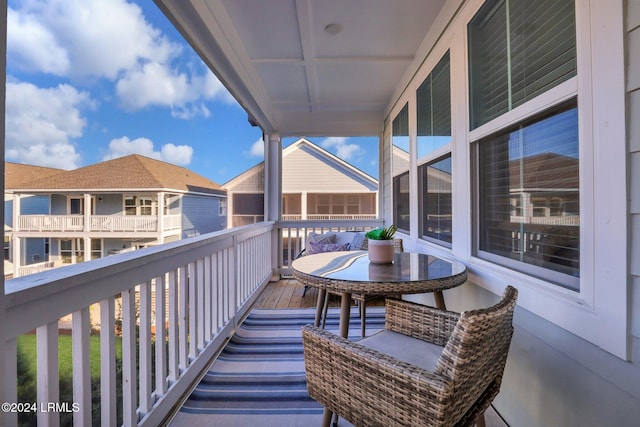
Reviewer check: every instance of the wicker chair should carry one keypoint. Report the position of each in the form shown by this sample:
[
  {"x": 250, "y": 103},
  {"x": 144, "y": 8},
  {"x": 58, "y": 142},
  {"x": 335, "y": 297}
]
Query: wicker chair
[
  {"x": 362, "y": 299},
  {"x": 428, "y": 367}
]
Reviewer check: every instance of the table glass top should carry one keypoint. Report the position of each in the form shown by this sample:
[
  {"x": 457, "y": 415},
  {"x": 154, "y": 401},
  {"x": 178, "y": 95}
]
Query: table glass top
[{"x": 355, "y": 266}]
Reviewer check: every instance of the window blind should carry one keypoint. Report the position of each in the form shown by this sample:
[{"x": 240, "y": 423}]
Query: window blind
[
  {"x": 518, "y": 49},
  {"x": 433, "y": 99}
]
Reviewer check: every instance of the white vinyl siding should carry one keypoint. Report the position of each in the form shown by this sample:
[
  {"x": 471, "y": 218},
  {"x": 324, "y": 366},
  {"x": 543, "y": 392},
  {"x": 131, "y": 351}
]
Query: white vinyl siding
[
  {"x": 306, "y": 170},
  {"x": 633, "y": 93},
  {"x": 200, "y": 215}
]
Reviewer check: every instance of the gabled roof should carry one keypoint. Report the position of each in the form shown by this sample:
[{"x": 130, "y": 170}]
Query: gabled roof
[
  {"x": 314, "y": 151},
  {"x": 17, "y": 173},
  {"x": 133, "y": 172}
]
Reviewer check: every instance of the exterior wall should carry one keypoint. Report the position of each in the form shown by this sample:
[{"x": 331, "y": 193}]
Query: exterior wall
[
  {"x": 200, "y": 215},
  {"x": 633, "y": 90},
  {"x": 111, "y": 204},
  {"x": 58, "y": 204},
  {"x": 554, "y": 377},
  {"x": 307, "y": 170},
  {"x": 33, "y": 250}
]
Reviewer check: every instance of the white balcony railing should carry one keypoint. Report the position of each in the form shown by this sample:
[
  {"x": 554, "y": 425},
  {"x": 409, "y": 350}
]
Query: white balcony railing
[
  {"x": 97, "y": 223},
  {"x": 170, "y": 308},
  {"x": 200, "y": 288},
  {"x": 326, "y": 217},
  {"x": 293, "y": 235}
]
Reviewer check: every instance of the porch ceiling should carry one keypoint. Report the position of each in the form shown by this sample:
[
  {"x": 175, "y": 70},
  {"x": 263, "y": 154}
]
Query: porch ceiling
[{"x": 290, "y": 72}]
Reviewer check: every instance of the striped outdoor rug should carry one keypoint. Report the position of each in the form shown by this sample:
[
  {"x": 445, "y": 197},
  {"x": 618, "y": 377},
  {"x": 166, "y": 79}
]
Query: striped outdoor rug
[{"x": 258, "y": 379}]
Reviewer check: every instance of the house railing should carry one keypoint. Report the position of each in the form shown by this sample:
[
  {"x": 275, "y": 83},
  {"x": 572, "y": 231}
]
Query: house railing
[
  {"x": 37, "y": 268},
  {"x": 326, "y": 217},
  {"x": 200, "y": 287},
  {"x": 97, "y": 223},
  {"x": 569, "y": 220},
  {"x": 293, "y": 235}
]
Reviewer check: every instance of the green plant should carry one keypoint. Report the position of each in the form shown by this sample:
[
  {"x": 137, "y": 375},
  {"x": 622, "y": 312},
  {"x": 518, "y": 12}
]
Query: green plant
[{"x": 382, "y": 233}]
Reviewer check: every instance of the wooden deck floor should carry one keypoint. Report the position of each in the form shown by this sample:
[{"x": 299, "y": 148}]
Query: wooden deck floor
[{"x": 287, "y": 293}]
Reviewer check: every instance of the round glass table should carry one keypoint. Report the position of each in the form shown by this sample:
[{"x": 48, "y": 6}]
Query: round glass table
[{"x": 351, "y": 272}]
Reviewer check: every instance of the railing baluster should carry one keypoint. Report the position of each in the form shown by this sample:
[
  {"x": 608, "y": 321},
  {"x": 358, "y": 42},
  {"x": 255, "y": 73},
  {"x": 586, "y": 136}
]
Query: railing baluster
[
  {"x": 207, "y": 299},
  {"x": 172, "y": 338},
  {"x": 200, "y": 303},
  {"x": 183, "y": 289},
  {"x": 161, "y": 332},
  {"x": 10, "y": 381},
  {"x": 129, "y": 379},
  {"x": 108, "y": 414},
  {"x": 145, "y": 348},
  {"x": 80, "y": 330},
  {"x": 193, "y": 313},
  {"x": 48, "y": 375}
]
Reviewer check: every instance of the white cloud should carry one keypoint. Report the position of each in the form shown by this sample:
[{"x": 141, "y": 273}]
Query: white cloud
[
  {"x": 156, "y": 84},
  {"x": 257, "y": 148},
  {"x": 41, "y": 124},
  {"x": 343, "y": 150},
  {"x": 99, "y": 37},
  {"x": 176, "y": 154},
  {"x": 110, "y": 39},
  {"x": 32, "y": 46}
]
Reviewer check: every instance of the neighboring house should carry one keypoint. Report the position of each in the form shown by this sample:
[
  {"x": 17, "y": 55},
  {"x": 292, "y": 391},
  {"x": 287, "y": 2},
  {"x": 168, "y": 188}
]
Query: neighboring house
[
  {"x": 110, "y": 207},
  {"x": 316, "y": 185},
  {"x": 35, "y": 250}
]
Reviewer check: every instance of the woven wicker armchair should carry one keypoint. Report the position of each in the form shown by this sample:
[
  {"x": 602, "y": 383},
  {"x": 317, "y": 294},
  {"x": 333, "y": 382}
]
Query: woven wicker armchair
[{"x": 428, "y": 367}]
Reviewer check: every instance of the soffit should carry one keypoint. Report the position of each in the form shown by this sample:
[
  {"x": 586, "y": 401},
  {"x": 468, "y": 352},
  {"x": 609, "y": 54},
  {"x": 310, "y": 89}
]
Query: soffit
[{"x": 294, "y": 77}]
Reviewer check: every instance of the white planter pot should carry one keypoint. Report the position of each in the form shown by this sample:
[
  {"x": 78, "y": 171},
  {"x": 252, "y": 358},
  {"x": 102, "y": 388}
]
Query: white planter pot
[{"x": 381, "y": 251}]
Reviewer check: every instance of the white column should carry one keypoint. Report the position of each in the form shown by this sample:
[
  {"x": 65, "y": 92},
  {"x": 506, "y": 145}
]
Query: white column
[
  {"x": 273, "y": 177},
  {"x": 160, "y": 217},
  {"x": 273, "y": 193},
  {"x": 303, "y": 205},
  {"x": 87, "y": 212},
  {"x": 15, "y": 239},
  {"x": 229, "y": 209},
  {"x": 87, "y": 248}
]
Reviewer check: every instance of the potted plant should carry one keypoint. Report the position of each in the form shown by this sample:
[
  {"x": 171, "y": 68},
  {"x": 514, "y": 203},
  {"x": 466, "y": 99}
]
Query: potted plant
[{"x": 381, "y": 245}]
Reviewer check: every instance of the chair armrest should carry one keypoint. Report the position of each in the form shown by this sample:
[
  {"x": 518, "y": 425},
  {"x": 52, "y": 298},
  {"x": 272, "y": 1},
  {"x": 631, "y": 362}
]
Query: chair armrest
[
  {"x": 420, "y": 321},
  {"x": 369, "y": 388}
]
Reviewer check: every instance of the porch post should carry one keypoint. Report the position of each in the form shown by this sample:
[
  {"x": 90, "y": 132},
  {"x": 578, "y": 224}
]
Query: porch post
[
  {"x": 87, "y": 211},
  {"x": 16, "y": 240},
  {"x": 229, "y": 209},
  {"x": 4, "y": 369},
  {"x": 303, "y": 205},
  {"x": 273, "y": 193},
  {"x": 160, "y": 213}
]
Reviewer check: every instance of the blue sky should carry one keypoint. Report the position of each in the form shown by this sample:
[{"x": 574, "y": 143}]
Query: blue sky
[{"x": 91, "y": 80}]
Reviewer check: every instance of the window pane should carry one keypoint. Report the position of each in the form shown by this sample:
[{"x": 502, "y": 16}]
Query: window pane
[
  {"x": 518, "y": 49},
  {"x": 529, "y": 195},
  {"x": 436, "y": 200},
  {"x": 401, "y": 201},
  {"x": 434, "y": 109},
  {"x": 400, "y": 142}
]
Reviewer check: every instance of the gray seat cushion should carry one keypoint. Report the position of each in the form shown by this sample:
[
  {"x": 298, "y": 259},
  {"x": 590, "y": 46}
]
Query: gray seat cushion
[{"x": 416, "y": 352}]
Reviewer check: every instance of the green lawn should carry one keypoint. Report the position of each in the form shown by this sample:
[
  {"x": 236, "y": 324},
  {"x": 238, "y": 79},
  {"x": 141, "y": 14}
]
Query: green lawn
[{"x": 27, "y": 345}]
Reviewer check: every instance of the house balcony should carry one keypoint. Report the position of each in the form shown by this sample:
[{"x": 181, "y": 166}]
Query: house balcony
[
  {"x": 36, "y": 225},
  {"x": 192, "y": 292}
]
